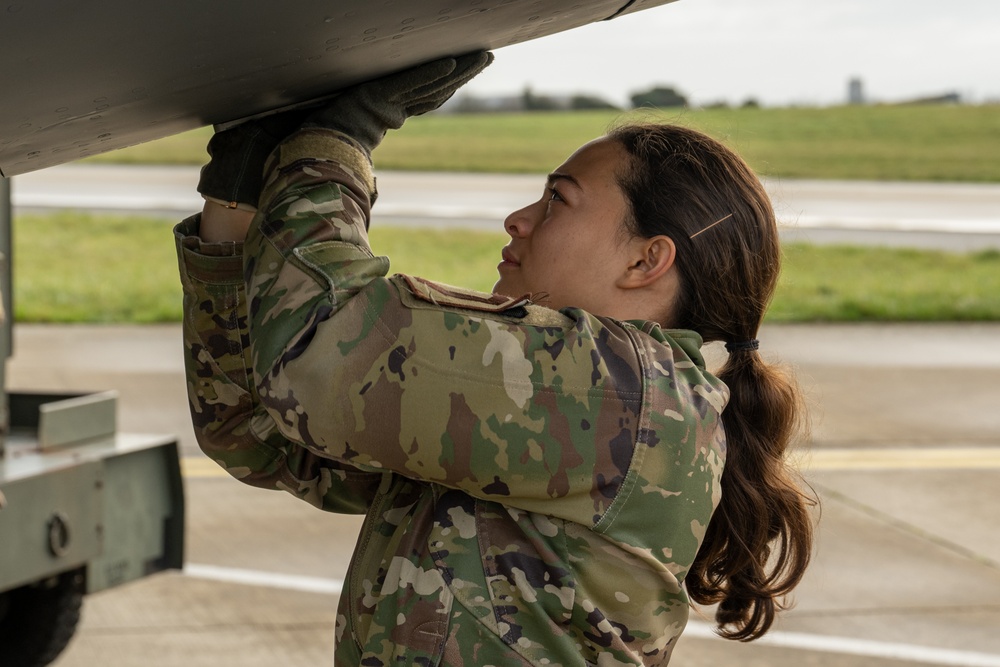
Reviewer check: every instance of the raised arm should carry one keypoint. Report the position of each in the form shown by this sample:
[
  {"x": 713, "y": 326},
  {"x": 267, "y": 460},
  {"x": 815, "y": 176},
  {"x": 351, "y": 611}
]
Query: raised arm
[
  {"x": 229, "y": 423},
  {"x": 537, "y": 409}
]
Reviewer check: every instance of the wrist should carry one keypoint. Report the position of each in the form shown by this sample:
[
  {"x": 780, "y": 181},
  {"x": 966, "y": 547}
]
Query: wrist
[
  {"x": 250, "y": 208},
  {"x": 222, "y": 222}
]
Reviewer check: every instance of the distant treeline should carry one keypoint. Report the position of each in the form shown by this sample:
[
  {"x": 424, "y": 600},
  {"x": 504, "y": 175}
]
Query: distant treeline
[
  {"x": 660, "y": 97},
  {"x": 864, "y": 142},
  {"x": 942, "y": 142},
  {"x": 656, "y": 97}
]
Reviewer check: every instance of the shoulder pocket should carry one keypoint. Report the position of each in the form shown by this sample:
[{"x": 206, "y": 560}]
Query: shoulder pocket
[{"x": 418, "y": 292}]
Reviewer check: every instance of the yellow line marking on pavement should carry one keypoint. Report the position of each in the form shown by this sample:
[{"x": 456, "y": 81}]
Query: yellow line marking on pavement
[
  {"x": 909, "y": 458},
  {"x": 817, "y": 458},
  {"x": 195, "y": 467}
]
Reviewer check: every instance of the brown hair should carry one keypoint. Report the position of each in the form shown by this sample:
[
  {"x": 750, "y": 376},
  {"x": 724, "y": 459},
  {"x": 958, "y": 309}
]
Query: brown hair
[{"x": 689, "y": 187}]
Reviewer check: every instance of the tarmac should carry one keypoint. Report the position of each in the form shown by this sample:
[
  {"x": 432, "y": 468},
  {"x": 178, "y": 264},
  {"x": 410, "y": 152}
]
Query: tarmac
[
  {"x": 954, "y": 216},
  {"x": 903, "y": 453}
]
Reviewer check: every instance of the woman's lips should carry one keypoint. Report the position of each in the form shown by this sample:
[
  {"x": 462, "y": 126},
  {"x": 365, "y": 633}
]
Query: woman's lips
[{"x": 508, "y": 259}]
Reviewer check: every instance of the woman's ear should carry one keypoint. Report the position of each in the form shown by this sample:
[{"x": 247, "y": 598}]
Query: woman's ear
[{"x": 651, "y": 259}]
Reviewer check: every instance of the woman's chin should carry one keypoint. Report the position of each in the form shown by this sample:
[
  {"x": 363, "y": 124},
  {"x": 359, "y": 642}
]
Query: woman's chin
[{"x": 505, "y": 288}]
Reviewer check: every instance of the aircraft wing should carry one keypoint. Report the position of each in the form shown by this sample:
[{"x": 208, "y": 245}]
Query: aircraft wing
[{"x": 81, "y": 77}]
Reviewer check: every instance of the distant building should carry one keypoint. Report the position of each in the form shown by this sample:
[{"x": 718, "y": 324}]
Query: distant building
[{"x": 855, "y": 91}]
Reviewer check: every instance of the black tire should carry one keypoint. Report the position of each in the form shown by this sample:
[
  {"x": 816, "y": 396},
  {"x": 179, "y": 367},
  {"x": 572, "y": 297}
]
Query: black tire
[{"x": 38, "y": 620}]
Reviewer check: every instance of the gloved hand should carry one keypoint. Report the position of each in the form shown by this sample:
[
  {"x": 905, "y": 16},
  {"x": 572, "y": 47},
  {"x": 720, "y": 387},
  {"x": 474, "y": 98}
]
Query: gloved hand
[
  {"x": 367, "y": 111},
  {"x": 235, "y": 172}
]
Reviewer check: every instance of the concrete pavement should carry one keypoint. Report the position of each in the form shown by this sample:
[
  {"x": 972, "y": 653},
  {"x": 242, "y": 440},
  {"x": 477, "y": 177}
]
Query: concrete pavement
[
  {"x": 904, "y": 454},
  {"x": 953, "y": 216}
]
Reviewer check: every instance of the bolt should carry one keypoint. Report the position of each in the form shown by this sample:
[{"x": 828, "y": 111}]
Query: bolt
[{"x": 59, "y": 534}]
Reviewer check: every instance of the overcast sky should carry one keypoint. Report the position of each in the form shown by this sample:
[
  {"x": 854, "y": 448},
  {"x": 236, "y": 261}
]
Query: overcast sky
[{"x": 777, "y": 51}]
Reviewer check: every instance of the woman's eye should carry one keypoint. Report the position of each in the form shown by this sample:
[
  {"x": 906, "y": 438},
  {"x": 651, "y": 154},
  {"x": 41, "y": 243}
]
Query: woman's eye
[{"x": 554, "y": 195}]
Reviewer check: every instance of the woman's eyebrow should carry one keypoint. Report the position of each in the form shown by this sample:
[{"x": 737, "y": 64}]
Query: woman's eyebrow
[{"x": 558, "y": 176}]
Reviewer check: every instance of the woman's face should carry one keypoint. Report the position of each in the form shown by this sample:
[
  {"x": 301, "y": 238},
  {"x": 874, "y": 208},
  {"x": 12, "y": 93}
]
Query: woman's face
[{"x": 570, "y": 244}]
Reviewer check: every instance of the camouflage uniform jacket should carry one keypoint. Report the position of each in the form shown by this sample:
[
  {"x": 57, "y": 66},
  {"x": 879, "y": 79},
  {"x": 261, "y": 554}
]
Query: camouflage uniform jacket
[{"x": 536, "y": 483}]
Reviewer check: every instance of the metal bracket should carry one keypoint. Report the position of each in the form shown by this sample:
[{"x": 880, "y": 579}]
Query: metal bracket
[{"x": 76, "y": 420}]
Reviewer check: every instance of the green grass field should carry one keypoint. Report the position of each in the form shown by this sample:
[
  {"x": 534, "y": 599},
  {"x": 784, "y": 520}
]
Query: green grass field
[
  {"x": 114, "y": 269},
  {"x": 916, "y": 143},
  {"x": 85, "y": 268}
]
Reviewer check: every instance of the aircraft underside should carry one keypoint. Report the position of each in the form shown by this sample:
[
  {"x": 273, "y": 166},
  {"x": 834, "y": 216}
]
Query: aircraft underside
[{"x": 85, "y": 77}]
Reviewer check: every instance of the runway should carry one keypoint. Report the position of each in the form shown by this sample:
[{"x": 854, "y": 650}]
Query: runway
[
  {"x": 903, "y": 452},
  {"x": 932, "y": 215}
]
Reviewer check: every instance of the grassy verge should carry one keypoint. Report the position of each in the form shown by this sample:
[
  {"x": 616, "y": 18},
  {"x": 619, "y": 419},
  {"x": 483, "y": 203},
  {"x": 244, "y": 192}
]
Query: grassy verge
[
  {"x": 853, "y": 284},
  {"x": 85, "y": 268},
  {"x": 72, "y": 267},
  {"x": 919, "y": 143}
]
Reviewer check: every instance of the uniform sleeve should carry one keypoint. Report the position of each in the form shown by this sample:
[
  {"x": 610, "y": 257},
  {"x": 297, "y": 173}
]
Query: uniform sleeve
[
  {"x": 514, "y": 403},
  {"x": 229, "y": 423}
]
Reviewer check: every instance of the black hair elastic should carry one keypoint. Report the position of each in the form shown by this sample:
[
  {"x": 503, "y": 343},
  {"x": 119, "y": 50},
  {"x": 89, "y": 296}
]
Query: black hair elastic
[{"x": 751, "y": 344}]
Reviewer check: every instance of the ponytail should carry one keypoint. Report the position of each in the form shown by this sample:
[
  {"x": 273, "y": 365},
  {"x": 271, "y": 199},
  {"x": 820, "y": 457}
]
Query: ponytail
[
  {"x": 759, "y": 540},
  {"x": 685, "y": 185}
]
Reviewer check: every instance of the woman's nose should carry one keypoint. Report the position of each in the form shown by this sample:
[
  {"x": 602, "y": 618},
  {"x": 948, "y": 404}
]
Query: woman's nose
[{"x": 518, "y": 223}]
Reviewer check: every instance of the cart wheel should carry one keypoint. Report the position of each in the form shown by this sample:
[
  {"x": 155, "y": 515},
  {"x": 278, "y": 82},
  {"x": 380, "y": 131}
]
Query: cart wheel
[{"x": 38, "y": 620}]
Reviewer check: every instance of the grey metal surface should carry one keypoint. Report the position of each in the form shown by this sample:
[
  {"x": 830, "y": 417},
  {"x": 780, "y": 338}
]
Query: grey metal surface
[
  {"x": 143, "y": 517},
  {"x": 118, "y": 500},
  {"x": 82, "y": 78},
  {"x": 6, "y": 302},
  {"x": 72, "y": 498},
  {"x": 75, "y": 420}
]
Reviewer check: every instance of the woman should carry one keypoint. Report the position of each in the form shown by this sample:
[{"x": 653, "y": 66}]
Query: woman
[{"x": 540, "y": 467}]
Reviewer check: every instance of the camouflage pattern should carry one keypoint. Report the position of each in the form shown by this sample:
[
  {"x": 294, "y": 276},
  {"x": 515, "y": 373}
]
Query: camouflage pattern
[{"x": 536, "y": 483}]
